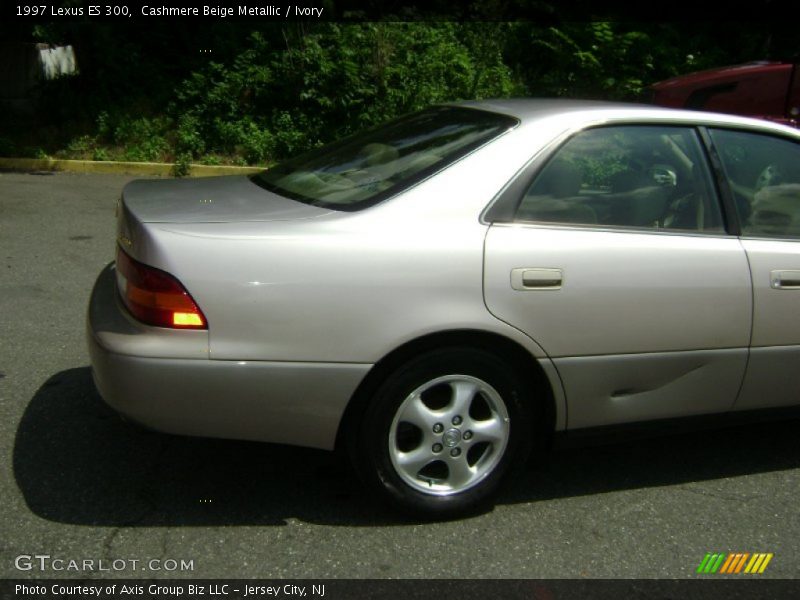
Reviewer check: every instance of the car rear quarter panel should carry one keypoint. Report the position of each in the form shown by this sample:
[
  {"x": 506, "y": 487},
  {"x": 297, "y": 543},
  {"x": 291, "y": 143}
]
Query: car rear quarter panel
[{"x": 349, "y": 287}]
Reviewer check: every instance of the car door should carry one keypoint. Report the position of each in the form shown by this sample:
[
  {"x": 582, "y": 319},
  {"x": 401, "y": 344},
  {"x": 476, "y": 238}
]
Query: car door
[
  {"x": 617, "y": 263},
  {"x": 763, "y": 173}
]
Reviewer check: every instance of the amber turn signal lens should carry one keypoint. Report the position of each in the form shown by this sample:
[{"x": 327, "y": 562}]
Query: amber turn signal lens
[{"x": 155, "y": 297}]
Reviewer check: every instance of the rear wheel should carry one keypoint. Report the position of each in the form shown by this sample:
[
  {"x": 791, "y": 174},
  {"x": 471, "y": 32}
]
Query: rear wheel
[{"x": 442, "y": 431}]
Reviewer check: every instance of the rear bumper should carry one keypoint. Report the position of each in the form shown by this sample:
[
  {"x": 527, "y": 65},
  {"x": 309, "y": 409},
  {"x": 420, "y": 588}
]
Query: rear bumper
[{"x": 164, "y": 379}]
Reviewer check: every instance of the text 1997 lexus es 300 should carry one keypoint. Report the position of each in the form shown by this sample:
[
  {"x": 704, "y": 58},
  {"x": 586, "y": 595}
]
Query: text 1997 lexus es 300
[{"x": 441, "y": 293}]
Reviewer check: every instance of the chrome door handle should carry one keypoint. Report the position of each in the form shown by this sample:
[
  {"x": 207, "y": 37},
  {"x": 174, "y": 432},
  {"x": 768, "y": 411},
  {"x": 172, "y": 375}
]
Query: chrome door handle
[
  {"x": 536, "y": 279},
  {"x": 785, "y": 280}
]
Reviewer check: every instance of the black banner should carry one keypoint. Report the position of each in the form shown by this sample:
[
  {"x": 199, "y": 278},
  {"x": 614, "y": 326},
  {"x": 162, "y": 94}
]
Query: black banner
[{"x": 406, "y": 589}]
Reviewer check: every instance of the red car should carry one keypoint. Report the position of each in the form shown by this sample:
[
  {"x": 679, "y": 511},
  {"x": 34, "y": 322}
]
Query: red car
[{"x": 765, "y": 90}]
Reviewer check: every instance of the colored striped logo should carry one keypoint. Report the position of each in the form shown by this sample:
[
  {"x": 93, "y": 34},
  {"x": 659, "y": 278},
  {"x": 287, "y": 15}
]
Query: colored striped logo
[{"x": 735, "y": 562}]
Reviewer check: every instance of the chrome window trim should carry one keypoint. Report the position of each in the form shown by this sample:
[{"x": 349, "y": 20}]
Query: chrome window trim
[
  {"x": 770, "y": 239},
  {"x": 612, "y": 229}
]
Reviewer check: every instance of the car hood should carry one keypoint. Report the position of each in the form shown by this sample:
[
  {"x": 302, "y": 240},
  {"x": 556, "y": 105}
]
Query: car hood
[{"x": 210, "y": 200}]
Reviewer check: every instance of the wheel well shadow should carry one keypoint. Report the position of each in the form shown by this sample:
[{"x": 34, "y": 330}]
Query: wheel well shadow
[{"x": 522, "y": 361}]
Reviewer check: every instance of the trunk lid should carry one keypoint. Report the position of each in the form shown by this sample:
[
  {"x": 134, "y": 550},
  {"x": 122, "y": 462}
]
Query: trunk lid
[{"x": 210, "y": 200}]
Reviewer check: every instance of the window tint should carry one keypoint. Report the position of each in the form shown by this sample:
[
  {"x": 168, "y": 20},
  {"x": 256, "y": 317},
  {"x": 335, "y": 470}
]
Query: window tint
[
  {"x": 764, "y": 175},
  {"x": 627, "y": 176},
  {"x": 368, "y": 167}
]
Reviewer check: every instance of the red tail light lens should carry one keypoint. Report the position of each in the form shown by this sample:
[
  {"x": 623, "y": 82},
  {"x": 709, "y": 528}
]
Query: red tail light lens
[{"x": 156, "y": 297}]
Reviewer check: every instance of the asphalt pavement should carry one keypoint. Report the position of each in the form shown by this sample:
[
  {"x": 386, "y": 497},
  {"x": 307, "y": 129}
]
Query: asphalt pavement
[{"x": 80, "y": 484}]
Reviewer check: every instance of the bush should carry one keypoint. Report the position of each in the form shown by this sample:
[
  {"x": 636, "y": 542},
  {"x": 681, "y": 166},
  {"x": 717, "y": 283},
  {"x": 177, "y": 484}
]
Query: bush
[
  {"x": 143, "y": 139},
  {"x": 100, "y": 154},
  {"x": 258, "y": 144},
  {"x": 211, "y": 160},
  {"x": 189, "y": 140},
  {"x": 277, "y": 99},
  {"x": 81, "y": 147},
  {"x": 183, "y": 165}
]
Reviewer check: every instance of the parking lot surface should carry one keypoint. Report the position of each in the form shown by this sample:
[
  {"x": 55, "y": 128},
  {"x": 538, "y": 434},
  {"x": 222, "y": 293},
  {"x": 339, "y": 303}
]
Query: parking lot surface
[{"x": 79, "y": 484}]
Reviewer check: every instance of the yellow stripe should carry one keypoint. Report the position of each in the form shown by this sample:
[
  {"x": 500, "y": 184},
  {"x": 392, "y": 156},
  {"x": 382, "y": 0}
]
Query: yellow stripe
[
  {"x": 753, "y": 564},
  {"x": 724, "y": 568},
  {"x": 766, "y": 562}
]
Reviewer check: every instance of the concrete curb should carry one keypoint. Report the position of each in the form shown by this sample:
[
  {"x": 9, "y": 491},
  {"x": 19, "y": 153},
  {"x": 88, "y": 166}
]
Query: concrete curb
[{"x": 147, "y": 169}]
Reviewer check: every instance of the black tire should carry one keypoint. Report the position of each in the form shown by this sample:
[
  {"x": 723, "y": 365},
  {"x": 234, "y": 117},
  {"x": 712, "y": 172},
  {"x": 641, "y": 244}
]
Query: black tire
[{"x": 435, "y": 491}]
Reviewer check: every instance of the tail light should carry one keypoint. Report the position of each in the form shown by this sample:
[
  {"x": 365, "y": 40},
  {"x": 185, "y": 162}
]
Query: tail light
[{"x": 155, "y": 297}]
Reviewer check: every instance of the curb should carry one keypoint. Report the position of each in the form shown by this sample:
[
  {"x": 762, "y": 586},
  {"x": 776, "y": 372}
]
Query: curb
[{"x": 118, "y": 167}]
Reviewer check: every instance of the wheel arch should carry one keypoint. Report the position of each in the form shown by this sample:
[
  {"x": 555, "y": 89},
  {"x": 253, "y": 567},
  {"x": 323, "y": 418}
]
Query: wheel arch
[{"x": 524, "y": 363}]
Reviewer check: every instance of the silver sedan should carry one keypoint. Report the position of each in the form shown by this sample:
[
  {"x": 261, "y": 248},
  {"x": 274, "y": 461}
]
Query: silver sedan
[{"x": 442, "y": 294}]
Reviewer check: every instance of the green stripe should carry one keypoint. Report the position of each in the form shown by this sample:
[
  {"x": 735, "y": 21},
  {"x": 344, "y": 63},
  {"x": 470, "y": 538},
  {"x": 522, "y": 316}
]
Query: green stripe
[
  {"x": 703, "y": 562},
  {"x": 710, "y": 564},
  {"x": 719, "y": 563}
]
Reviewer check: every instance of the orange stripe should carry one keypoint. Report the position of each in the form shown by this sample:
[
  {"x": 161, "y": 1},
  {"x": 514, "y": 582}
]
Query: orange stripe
[
  {"x": 724, "y": 568},
  {"x": 741, "y": 562},
  {"x": 736, "y": 560}
]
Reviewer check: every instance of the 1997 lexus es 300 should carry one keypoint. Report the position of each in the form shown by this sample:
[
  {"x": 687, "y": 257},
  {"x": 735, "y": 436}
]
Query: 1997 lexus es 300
[{"x": 441, "y": 293}]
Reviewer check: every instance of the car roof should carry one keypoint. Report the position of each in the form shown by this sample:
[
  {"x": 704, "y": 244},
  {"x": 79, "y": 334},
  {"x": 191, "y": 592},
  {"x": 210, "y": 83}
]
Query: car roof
[
  {"x": 581, "y": 112},
  {"x": 526, "y": 109}
]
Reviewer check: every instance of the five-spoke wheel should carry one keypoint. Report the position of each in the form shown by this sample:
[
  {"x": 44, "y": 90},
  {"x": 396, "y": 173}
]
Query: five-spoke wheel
[
  {"x": 439, "y": 434},
  {"x": 448, "y": 434}
]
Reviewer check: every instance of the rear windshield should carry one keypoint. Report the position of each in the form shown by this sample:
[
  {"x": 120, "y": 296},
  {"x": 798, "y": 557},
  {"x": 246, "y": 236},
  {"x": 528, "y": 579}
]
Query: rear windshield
[{"x": 368, "y": 167}]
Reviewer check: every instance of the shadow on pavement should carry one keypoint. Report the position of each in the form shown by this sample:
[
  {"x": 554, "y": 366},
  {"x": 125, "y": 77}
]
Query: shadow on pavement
[{"x": 76, "y": 462}]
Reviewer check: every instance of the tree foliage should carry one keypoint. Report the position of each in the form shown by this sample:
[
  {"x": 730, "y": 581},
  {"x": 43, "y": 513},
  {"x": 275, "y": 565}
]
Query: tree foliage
[
  {"x": 276, "y": 99},
  {"x": 281, "y": 88}
]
